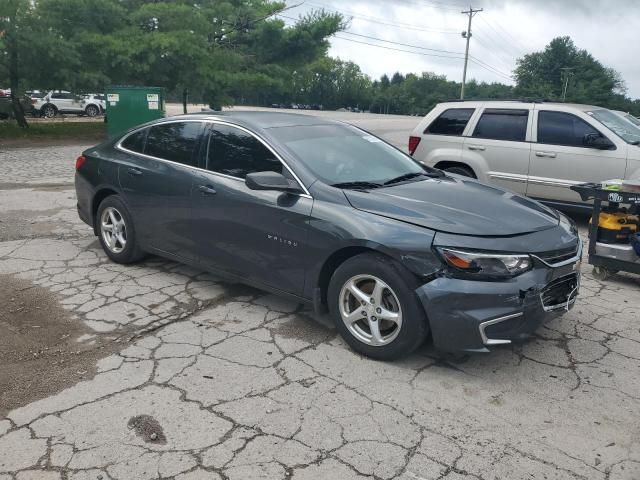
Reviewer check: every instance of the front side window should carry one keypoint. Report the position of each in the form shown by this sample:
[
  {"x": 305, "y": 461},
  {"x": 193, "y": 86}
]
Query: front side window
[
  {"x": 502, "y": 124},
  {"x": 451, "y": 122},
  {"x": 560, "y": 128},
  {"x": 237, "y": 153},
  {"x": 174, "y": 141},
  {"x": 135, "y": 141}
]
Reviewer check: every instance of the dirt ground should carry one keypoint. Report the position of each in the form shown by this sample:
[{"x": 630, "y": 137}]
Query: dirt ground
[{"x": 39, "y": 351}]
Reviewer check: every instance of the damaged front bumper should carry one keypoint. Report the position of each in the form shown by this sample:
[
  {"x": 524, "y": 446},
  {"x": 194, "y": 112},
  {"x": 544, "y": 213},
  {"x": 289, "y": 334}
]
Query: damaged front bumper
[{"x": 470, "y": 315}]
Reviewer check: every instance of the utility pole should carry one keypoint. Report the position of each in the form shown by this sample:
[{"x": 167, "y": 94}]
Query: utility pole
[
  {"x": 471, "y": 13},
  {"x": 567, "y": 73}
]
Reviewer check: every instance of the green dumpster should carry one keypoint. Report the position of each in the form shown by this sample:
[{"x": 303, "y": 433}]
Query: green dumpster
[{"x": 131, "y": 106}]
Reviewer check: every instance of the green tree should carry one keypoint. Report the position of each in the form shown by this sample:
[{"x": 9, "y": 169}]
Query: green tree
[{"x": 543, "y": 74}]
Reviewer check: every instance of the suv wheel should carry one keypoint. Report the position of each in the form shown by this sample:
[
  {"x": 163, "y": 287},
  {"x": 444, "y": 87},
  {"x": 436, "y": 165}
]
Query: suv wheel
[
  {"x": 116, "y": 231},
  {"x": 49, "y": 111},
  {"x": 460, "y": 170},
  {"x": 372, "y": 302},
  {"x": 91, "y": 111}
]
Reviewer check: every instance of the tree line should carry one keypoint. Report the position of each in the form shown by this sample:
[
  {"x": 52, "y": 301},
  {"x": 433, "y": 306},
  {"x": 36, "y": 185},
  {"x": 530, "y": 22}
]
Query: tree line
[{"x": 241, "y": 52}]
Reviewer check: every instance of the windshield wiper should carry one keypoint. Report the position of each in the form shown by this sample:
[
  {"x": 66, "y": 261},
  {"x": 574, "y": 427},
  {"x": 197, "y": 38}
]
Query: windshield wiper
[
  {"x": 408, "y": 176},
  {"x": 357, "y": 185}
]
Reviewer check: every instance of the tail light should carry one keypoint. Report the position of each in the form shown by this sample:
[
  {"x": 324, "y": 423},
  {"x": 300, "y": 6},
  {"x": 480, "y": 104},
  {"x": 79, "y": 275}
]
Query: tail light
[
  {"x": 413, "y": 144},
  {"x": 80, "y": 161}
]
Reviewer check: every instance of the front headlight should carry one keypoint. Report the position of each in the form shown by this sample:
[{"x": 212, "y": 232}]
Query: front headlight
[{"x": 486, "y": 264}]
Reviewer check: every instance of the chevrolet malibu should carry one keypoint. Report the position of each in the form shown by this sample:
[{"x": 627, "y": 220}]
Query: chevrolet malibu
[{"x": 332, "y": 216}]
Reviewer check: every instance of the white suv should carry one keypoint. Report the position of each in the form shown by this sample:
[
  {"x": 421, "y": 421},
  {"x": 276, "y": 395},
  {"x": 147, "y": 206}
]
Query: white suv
[{"x": 536, "y": 149}]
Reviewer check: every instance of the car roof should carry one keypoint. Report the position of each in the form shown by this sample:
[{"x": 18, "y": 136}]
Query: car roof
[
  {"x": 516, "y": 103},
  {"x": 259, "y": 119}
]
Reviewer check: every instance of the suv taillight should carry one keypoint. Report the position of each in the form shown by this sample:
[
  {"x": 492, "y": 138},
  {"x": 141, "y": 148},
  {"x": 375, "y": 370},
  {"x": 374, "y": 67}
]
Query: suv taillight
[
  {"x": 413, "y": 144},
  {"x": 80, "y": 161}
]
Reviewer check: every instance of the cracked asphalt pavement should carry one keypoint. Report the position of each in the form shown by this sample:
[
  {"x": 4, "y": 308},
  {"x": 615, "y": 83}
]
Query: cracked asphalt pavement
[{"x": 158, "y": 370}]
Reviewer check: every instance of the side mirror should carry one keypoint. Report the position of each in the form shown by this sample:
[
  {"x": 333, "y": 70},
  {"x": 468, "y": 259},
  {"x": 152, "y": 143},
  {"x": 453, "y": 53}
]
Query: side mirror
[
  {"x": 600, "y": 142},
  {"x": 271, "y": 181}
]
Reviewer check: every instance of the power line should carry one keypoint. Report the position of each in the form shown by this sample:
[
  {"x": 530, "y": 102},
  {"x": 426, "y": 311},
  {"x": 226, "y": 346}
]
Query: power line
[
  {"x": 502, "y": 40},
  {"x": 379, "y": 21},
  {"x": 402, "y": 44},
  {"x": 439, "y": 54}
]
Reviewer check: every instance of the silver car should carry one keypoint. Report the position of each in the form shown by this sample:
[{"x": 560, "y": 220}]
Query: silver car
[{"x": 536, "y": 149}]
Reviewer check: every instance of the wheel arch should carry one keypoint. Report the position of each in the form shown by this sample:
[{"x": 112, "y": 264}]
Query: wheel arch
[
  {"x": 444, "y": 164},
  {"x": 49, "y": 104},
  {"x": 99, "y": 196},
  {"x": 337, "y": 258}
]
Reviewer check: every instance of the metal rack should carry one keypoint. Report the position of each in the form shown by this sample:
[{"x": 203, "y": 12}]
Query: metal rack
[{"x": 605, "y": 265}]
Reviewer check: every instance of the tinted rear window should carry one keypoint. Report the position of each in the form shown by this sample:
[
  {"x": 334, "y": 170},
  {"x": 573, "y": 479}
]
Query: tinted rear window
[
  {"x": 135, "y": 141},
  {"x": 502, "y": 124},
  {"x": 451, "y": 122},
  {"x": 174, "y": 141}
]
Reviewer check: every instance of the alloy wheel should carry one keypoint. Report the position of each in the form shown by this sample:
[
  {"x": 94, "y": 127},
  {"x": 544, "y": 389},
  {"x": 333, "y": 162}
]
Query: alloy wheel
[
  {"x": 113, "y": 230},
  {"x": 49, "y": 111},
  {"x": 91, "y": 111},
  {"x": 370, "y": 309}
]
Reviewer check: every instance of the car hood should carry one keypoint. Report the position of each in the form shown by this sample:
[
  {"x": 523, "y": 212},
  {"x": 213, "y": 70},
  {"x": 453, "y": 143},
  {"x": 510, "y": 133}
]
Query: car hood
[{"x": 456, "y": 205}]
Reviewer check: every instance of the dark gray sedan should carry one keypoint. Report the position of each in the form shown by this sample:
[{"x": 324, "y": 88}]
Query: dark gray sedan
[{"x": 330, "y": 215}]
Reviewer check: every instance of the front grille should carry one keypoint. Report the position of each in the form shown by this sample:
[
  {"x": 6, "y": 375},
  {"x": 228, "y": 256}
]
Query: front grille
[
  {"x": 560, "y": 293},
  {"x": 558, "y": 256}
]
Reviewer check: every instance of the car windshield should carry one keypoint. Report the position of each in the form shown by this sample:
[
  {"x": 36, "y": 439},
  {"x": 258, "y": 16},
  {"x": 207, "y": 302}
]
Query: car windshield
[
  {"x": 338, "y": 154},
  {"x": 626, "y": 130},
  {"x": 632, "y": 119}
]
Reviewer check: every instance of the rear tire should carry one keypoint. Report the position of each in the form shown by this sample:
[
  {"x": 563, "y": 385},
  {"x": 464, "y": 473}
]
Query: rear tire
[
  {"x": 372, "y": 301},
  {"x": 116, "y": 231},
  {"x": 92, "y": 111},
  {"x": 49, "y": 111},
  {"x": 460, "y": 170}
]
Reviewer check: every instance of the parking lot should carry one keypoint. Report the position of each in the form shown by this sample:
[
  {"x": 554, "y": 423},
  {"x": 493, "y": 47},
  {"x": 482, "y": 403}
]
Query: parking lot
[{"x": 158, "y": 370}]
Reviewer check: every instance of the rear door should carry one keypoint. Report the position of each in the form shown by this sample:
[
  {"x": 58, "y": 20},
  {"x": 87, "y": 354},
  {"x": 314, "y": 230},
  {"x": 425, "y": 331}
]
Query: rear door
[
  {"x": 560, "y": 158},
  {"x": 157, "y": 180},
  {"x": 442, "y": 138},
  {"x": 256, "y": 235},
  {"x": 500, "y": 144}
]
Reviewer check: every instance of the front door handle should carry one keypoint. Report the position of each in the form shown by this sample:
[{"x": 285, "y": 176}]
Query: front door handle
[
  {"x": 546, "y": 154},
  {"x": 476, "y": 147},
  {"x": 206, "y": 190},
  {"x": 134, "y": 171}
]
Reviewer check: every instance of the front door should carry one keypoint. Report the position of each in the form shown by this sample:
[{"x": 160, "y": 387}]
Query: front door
[
  {"x": 255, "y": 235},
  {"x": 560, "y": 158},
  {"x": 156, "y": 179}
]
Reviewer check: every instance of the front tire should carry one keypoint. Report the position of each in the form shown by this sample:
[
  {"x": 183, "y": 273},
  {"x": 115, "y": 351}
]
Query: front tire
[
  {"x": 372, "y": 301},
  {"x": 116, "y": 231}
]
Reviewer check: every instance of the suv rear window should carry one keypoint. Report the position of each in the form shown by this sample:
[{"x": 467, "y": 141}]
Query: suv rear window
[
  {"x": 502, "y": 124},
  {"x": 451, "y": 122}
]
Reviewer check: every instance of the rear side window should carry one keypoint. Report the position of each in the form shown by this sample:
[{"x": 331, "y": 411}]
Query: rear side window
[
  {"x": 135, "y": 141},
  {"x": 451, "y": 122},
  {"x": 174, "y": 141},
  {"x": 559, "y": 128},
  {"x": 502, "y": 124},
  {"x": 237, "y": 153}
]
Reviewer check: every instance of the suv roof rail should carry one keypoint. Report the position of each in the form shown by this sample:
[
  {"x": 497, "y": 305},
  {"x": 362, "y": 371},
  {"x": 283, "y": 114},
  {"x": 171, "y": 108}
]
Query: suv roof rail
[{"x": 519, "y": 99}]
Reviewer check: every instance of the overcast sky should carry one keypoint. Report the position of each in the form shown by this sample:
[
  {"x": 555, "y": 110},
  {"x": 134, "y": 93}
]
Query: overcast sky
[{"x": 505, "y": 30}]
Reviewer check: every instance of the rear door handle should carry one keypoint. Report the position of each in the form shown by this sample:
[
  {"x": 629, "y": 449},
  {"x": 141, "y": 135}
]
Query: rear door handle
[
  {"x": 206, "y": 190},
  {"x": 134, "y": 171},
  {"x": 546, "y": 154},
  {"x": 476, "y": 147}
]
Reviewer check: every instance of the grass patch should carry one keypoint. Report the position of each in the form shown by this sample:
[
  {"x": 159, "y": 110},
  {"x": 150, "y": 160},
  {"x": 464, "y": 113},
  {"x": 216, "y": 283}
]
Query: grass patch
[{"x": 71, "y": 131}]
